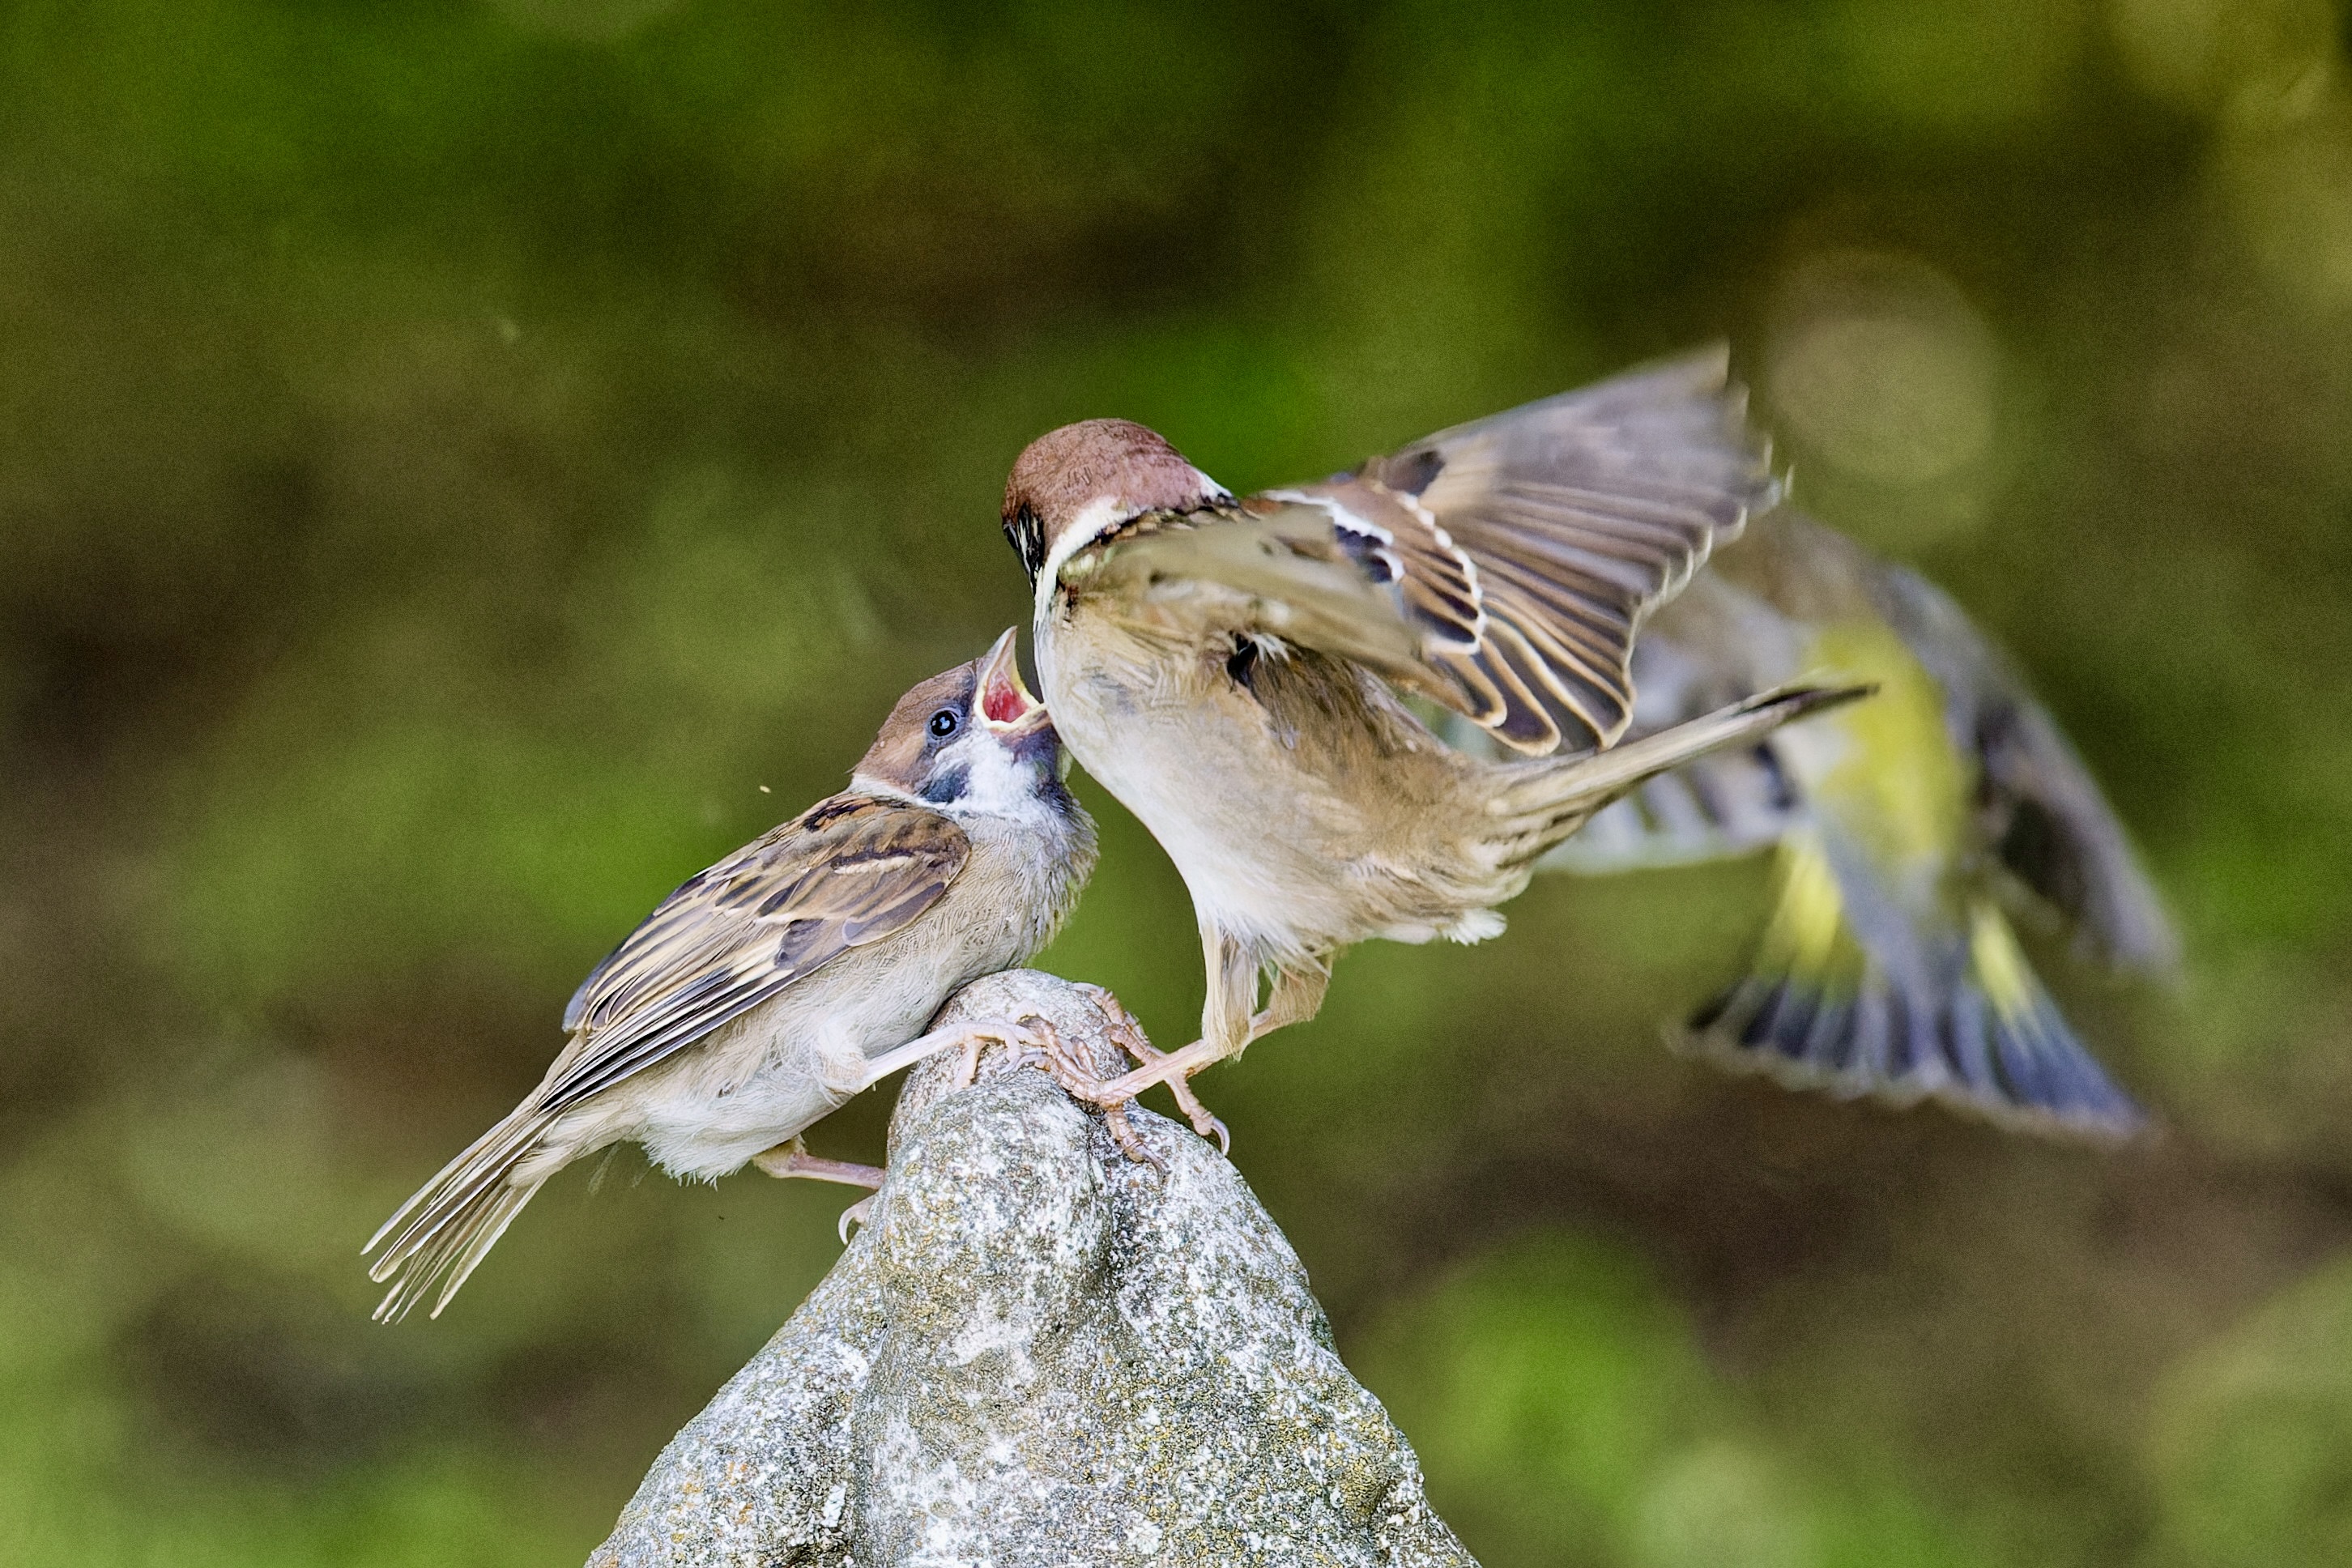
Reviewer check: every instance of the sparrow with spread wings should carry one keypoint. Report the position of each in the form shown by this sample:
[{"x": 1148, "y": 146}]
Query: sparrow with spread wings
[
  {"x": 798, "y": 971},
  {"x": 1237, "y": 672}
]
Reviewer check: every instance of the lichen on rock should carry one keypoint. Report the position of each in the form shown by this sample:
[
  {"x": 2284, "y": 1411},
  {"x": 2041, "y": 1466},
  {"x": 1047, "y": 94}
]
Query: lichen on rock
[{"x": 1042, "y": 1351}]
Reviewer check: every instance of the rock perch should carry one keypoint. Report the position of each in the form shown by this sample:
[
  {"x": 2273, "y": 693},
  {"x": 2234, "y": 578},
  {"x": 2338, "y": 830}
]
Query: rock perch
[{"x": 1041, "y": 1352}]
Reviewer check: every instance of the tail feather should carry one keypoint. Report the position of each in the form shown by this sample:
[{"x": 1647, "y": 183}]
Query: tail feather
[
  {"x": 1546, "y": 801},
  {"x": 1970, "y": 1026},
  {"x": 452, "y": 1254},
  {"x": 443, "y": 1231},
  {"x": 475, "y": 1157}
]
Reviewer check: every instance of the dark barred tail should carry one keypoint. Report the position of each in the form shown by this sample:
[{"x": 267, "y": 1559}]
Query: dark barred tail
[
  {"x": 440, "y": 1234},
  {"x": 1967, "y": 1024}
]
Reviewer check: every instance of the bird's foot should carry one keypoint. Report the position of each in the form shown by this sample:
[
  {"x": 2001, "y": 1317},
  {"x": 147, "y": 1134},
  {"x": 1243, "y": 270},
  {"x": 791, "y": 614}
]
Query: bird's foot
[
  {"x": 1171, "y": 1068},
  {"x": 791, "y": 1158},
  {"x": 1022, "y": 1039},
  {"x": 1124, "y": 1033},
  {"x": 1079, "y": 1080}
]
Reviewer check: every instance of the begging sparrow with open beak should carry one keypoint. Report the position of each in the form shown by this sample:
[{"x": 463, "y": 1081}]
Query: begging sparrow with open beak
[
  {"x": 1234, "y": 671},
  {"x": 798, "y": 971}
]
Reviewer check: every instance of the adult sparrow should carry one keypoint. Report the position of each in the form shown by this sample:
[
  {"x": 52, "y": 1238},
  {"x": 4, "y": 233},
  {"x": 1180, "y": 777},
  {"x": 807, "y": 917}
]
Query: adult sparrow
[
  {"x": 1906, "y": 830},
  {"x": 1235, "y": 672},
  {"x": 803, "y": 968}
]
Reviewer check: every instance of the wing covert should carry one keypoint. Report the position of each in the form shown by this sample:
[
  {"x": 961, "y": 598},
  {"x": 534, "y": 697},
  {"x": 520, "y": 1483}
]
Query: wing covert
[
  {"x": 849, "y": 870},
  {"x": 1501, "y": 568}
]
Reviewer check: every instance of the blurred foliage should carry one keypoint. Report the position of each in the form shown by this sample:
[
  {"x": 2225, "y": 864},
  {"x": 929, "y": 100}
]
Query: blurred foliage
[{"x": 454, "y": 454}]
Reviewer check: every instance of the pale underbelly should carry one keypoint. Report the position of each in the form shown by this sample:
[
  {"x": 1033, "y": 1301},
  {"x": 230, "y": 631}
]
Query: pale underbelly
[
  {"x": 1241, "y": 826},
  {"x": 783, "y": 1065}
]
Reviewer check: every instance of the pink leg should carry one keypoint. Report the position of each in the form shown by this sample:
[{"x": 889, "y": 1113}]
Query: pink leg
[
  {"x": 1297, "y": 995},
  {"x": 791, "y": 1158},
  {"x": 1128, "y": 1035}
]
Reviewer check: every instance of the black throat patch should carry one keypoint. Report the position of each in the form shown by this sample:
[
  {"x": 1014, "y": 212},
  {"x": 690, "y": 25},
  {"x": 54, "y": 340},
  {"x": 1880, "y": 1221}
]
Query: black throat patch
[{"x": 947, "y": 786}]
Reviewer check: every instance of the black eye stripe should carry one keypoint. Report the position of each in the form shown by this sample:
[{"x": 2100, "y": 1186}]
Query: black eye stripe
[{"x": 1026, "y": 532}]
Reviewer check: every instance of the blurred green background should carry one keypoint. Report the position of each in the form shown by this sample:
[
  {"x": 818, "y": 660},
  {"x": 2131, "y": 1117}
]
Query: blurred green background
[{"x": 453, "y": 455}]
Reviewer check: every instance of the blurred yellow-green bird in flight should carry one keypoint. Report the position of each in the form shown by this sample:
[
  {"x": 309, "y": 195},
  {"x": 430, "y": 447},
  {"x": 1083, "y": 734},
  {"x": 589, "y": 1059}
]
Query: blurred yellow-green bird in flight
[{"x": 1908, "y": 831}]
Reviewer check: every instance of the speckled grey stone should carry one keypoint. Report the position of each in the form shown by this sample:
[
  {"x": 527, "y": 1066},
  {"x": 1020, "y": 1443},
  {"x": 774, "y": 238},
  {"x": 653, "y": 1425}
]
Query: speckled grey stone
[{"x": 1042, "y": 1352}]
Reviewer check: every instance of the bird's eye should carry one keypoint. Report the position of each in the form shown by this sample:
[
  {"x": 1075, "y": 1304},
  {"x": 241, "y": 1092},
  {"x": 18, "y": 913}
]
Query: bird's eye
[{"x": 944, "y": 722}]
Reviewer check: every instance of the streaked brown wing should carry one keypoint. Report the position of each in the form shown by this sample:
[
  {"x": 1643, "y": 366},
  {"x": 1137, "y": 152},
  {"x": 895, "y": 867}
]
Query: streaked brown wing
[
  {"x": 1263, "y": 566},
  {"x": 1501, "y": 567},
  {"x": 846, "y": 871}
]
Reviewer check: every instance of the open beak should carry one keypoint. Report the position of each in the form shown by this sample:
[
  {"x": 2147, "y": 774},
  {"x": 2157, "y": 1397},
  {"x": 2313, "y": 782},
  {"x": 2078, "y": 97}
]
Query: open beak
[{"x": 1005, "y": 704}]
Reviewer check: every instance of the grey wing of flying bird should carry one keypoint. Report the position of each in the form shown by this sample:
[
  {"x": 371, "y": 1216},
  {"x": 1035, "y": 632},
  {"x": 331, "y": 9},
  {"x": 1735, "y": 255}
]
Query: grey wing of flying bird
[{"x": 1906, "y": 831}]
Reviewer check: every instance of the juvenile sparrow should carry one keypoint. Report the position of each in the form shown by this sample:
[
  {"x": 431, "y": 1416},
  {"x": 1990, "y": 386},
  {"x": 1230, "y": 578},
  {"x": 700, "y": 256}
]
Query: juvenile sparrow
[
  {"x": 1904, "y": 829},
  {"x": 801, "y": 969},
  {"x": 1233, "y": 670}
]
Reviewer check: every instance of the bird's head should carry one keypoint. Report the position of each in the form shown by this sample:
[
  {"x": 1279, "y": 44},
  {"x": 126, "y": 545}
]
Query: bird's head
[
  {"x": 1072, "y": 485},
  {"x": 971, "y": 739}
]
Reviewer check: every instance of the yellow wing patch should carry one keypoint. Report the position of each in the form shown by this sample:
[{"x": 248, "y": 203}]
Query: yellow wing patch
[
  {"x": 1807, "y": 937},
  {"x": 2001, "y": 971},
  {"x": 1898, "y": 788}
]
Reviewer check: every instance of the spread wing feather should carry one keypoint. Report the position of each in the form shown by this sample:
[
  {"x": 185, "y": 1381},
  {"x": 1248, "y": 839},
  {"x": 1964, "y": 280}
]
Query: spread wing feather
[
  {"x": 1889, "y": 967},
  {"x": 847, "y": 871},
  {"x": 1501, "y": 568},
  {"x": 2049, "y": 821}
]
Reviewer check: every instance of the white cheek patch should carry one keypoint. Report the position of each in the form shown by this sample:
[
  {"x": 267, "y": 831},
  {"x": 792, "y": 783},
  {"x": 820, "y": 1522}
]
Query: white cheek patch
[
  {"x": 996, "y": 782},
  {"x": 1211, "y": 490},
  {"x": 1099, "y": 518},
  {"x": 1101, "y": 515}
]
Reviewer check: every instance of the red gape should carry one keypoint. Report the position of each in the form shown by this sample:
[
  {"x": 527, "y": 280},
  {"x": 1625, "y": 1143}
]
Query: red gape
[{"x": 1003, "y": 702}]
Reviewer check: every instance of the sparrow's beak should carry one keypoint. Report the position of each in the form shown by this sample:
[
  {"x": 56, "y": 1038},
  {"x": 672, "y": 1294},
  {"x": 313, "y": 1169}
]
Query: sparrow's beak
[{"x": 1005, "y": 703}]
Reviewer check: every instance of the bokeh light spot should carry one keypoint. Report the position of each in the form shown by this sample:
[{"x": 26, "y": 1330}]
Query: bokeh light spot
[
  {"x": 1880, "y": 366},
  {"x": 2242, "y": 59}
]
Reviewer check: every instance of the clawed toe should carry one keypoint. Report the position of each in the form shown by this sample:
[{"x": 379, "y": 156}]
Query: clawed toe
[
  {"x": 1203, "y": 1123},
  {"x": 1037, "y": 1042},
  {"x": 1130, "y": 1142},
  {"x": 1119, "y": 1023},
  {"x": 1021, "y": 1038},
  {"x": 1082, "y": 1083},
  {"x": 1206, "y": 1125},
  {"x": 791, "y": 1158},
  {"x": 967, "y": 1071},
  {"x": 1128, "y": 1035},
  {"x": 1077, "y": 1078}
]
